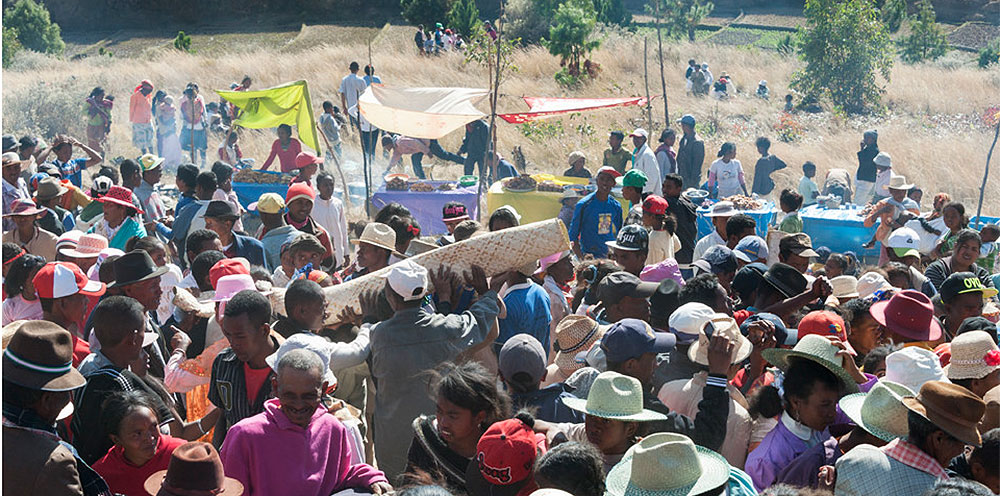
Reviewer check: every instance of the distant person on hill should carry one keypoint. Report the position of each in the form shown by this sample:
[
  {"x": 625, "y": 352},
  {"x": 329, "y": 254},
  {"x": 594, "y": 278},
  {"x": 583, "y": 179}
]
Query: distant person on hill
[
  {"x": 140, "y": 113},
  {"x": 763, "y": 91},
  {"x": 351, "y": 87},
  {"x": 616, "y": 156},
  {"x": 166, "y": 132},
  {"x": 370, "y": 77},
  {"x": 286, "y": 148},
  {"x": 193, "y": 136},
  {"x": 98, "y": 111},
  {"x": 690, "y": 153},
  {"x": 418, "y": 38},
  {"x": 807, "y": 187},
  {"x": 489, "y": 30},
  {"x": 727, "y": 173},
  {"x": 789, "y": 107},
  {"x": 865, "y": 179},
  {"x": 699, "y": 83},
  {"x": 692, "y": 66},
  {"x": 330, "y": 122},
  {"x": 665, "y": 156},
  {"x": 766, "y": 165}
]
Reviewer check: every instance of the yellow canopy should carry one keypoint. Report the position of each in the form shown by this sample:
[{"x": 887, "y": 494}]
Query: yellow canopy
[{"x": 284, "y": 104}]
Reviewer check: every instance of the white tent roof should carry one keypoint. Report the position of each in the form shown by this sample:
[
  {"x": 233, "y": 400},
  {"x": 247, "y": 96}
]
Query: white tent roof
[{"x": 428, "y": 113}]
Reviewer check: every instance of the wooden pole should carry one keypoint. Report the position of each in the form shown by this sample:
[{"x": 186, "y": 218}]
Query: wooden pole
[
  {"x": 986, "y": 174},
  {"x": 645, "y": 78},
  {"x": 494, "y": 94},
  {"x": 663, "y": 80},
  {"x": 364, "y": 158}
]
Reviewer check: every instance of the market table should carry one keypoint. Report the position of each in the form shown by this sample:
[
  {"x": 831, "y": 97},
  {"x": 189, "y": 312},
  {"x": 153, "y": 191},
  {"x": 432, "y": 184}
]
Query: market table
[
  {"x": 764, "y": 216},
  {"x": 427, "y": 206},
  {"x": 535, "y": 206},
  {"x": 840, "y": 229}
]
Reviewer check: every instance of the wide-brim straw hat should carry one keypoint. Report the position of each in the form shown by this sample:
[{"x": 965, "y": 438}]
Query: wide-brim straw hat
[
  {"x": 880, "y": 411},
  {"x": 575, "y": 333},
  {"x": 950, "y": 407},
  {"x": 377, "y": 234},
  {"x": 726, "y": 326},
  {"x": 974, "y": 355},
  {"x": 899, "y": 182},
  {"x": 817, "y": 349},
  {"x": 89, "y": 246},
  {"x": 667, "y": 464},
  {"x": 615, "y": 396}
]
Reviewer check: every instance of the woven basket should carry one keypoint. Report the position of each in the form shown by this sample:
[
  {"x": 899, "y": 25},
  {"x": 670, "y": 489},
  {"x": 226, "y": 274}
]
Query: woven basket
[{"x": 495, "y": 252}]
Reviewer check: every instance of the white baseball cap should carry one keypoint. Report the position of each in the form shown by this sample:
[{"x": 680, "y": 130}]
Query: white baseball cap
[
  {"x": 306, "y": 341},
  {"x": 408, "y": 280},
  {"x": 905, "y": 242},
  {"x": 689, "y": 319},
  {"x": 640, "y": 132}
]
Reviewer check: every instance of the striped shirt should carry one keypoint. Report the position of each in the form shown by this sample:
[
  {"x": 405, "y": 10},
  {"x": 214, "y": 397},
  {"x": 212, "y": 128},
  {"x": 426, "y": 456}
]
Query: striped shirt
[{"x": 227, "y": 390}]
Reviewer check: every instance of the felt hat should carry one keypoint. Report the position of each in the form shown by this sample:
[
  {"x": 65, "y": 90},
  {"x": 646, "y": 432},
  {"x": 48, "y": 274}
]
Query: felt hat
[
  {"x": 786, "y": 279},
  {"x": 39, "y": 356},
  {"x": 49, "y": 188},
  {"x": 268, "y": 203},
  {"x": 724, "y": 325},
  {"x": 912, "y": 367},
  {"x": 149, "y": 162},
  {"x": 219, "y": 209},
  {"x": 119, "y": 195},
  {"x": 306, "y": 341},
  {"x": 21, "y": 207},
  {"x": 614, "y": 396},
  {"x": 722, "y": 209},
  {"x": 974, "y": 355},
  {"x": 899, "y": 182},
  {"x": 10, "y": 143},
  {"x": 88, "y": 246},
  {"x": 817, "y": 349},
  {"x": 11, "y": 158},
  {"x": 377, "y": 234},
  {"x": 950, "y": 407},
  {"x": 991, "y": 419},
  {"x": 194, "y": 468},
  {"x": 880, "y": 411},
  {"x": 574, "y": 333},
  {"x": 908, "y": 313},
  {"x": 135, "y": 266},
  {"x": 667, "y": 464}
]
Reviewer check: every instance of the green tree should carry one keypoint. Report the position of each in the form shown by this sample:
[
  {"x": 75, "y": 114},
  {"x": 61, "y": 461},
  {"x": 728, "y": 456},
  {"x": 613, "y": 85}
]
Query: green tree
[
  {"x": 182, "y": 42},
  {"x": 926, "y": 39},
  {"x": 612, "y": 12},
  {"x": 892, "y": 13},
  {"x": 426, "y": 12},
  {"x": 35, "y": 30},
  {"x": 987, "y": 56},
  {"x": 845, "y": 47},
  {"x": 463, "y": 18},
  {"x": 570, "y": 34},
  {"x": 10, "y": 46}
]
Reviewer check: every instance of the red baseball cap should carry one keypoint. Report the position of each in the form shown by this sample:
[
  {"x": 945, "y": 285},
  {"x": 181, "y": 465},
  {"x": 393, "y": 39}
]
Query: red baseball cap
[
  {"x": 305, "y": 158},
  {"x": 656, "y": 205},
  {"x": 228, "y": 267},
  {"x": 299, "y": 190},
  {"x": 827, "y": 324},
  {"x": 608, "y": 170},
  {"x": 504, "y": 461},
  {"x": 62, "y": 279}
]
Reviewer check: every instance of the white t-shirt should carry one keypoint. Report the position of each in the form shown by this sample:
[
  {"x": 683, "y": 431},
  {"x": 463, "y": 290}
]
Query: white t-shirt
[
  {"x": 806, "y": 188},
  {"x": 728, "y": 176},
  {"x": 351, "y": 86},
  {"x": 707, "y": 242}
]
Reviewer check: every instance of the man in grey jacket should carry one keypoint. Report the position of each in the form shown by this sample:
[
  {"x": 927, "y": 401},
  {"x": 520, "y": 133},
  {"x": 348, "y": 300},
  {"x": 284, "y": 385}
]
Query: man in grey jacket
[
  {"x": 414, "y": 341},
  {"x": 690, "y": 154}
]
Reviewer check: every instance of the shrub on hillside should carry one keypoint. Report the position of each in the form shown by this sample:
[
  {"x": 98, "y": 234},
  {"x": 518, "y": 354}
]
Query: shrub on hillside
[
  {"x": 45, "y": 109},
  {"x": 35, "y": 30},
  {"x": 926, "y": 40},
  {"x": 10, "y": 46},
  {"x": 426, "y": 12},
  {"x": 529, "y": 20},
  {"x": 570, "y": 35},
  {"x": 182, "y": 42},
  {"x": 892, "y": 13},
  {"x": 845, "y": 47},
  {"x": 990, "y": 54},
  {"x": 681, "y": 17},
  {"x": 463, "y": 18},
  {"x": 612, "y": 12}
]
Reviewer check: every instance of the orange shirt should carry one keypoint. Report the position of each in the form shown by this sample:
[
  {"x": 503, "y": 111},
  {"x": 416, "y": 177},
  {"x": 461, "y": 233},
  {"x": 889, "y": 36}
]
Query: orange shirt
[{"x": 140, "y": 108}]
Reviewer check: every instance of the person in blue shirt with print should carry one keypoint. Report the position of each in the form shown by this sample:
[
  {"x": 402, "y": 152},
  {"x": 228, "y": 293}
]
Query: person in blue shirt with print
[
  {"x": 71, "y": 168},
  {"x": 527, "y": 308},
  {"x": 597, "y": 217}
]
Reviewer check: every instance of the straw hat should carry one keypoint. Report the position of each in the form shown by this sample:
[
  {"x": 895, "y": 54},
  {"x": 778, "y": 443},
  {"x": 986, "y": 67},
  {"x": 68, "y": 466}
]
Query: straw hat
[
  {"x": 844, "y": 287},
  {"x": 667, "y": 464},
  {"x": 574, "y": 333},
  {"x": 726, "y": 326},
  {"x": 880, "y": 411},
  {"x": 952, "y": 408},
  {"x": 974, "y": 355},
  {"x": 899, "y": 182},
  {"x": 615, "y": 396},
  {"x": 912, "y": 367},
  {"x": 991, "y": 419},
  {"x": 818, "y": 349},
  {"x": 89, "y": 246},
  {"x": 378, "y": 234}
]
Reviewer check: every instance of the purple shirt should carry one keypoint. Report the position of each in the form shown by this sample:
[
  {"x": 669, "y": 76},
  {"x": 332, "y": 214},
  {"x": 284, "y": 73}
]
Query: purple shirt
[
  {"x": 774, "y": 453},
  {"x": 271, "y": 455},
  {"x": 804, "y": 470}
]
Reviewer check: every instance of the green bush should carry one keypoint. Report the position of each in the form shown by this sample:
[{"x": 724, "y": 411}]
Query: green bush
[
  {"x": 989, "y": 55},
  {"x": 529, "y": 20},
  {"x": 35, "y": 30},
  {"x": 10, "y": 46},
  {"x": 612, "y": 12},
  {"x": 463, "y": 18},
  {"x": 926, "y": 40},
  {"x": 182, "y": 42},
  {"x": 892, "y": 13},
  {"x": 681, "y": 17},
  {"x": 426, "y": 12},
  {"x": 845, "y": 48},
  {"x": 570, "y": 34}
]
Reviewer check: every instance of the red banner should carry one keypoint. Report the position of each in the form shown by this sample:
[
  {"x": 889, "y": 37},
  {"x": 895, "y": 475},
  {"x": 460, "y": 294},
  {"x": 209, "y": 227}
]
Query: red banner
[{"x": 541, "y": 108}]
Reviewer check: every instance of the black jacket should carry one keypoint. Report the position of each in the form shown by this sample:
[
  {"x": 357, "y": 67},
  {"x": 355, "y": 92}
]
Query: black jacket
[
  {"x": 707, "y": 429},
  {"x": 866, "y": 164},
  {"x": 686, "y": 214},
  {"x": 690, "y": 159},
  {"x": 476, "y": 140}
]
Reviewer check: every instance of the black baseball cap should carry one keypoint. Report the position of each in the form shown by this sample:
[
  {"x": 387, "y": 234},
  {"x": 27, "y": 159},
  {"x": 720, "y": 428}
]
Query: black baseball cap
[
  {"x": 665, "y": 299},
  {"x": 978, "y": 323},
  {"x": 719, "y": 259},
  {"x": 10, "y": 143},
  {"x": 961, "y": 283},
  {"x": 632, "y": 237},
  {"x": 618, "y": 285},
  {"x": 748, "y": 278}
]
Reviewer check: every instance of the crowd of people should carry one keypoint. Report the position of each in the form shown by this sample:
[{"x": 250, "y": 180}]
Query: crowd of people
[{"x": 189, "y": 349}]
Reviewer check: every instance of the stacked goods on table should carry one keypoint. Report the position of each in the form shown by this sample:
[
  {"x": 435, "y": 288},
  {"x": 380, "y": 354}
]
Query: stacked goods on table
[
  {"x": 520, "y": 184},
  {"x": 550, "y": 186},
  {"x": 743, "y": 202},
  {"x": 495, "y": 252},
  {"x": 401, "y": 182},
  {"x": 261, "y": 177},
  {"x": 421, "y": 187}
]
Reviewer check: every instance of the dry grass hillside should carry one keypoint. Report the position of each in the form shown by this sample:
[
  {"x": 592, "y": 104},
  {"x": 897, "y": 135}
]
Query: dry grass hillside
[{"x": 933, "y": 130}]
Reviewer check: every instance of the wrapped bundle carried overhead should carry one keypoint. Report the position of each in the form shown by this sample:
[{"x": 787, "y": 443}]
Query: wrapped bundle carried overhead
[{"x": 495, "y": 252}]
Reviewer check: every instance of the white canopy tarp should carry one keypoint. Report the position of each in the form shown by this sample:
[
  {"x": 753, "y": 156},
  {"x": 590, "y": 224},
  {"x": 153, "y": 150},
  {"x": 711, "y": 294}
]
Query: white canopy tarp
[{"x": 428, "y": 113}]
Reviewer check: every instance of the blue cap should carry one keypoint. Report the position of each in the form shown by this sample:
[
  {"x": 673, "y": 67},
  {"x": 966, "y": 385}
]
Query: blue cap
[
  {"x": 751, "y": 249},
  {"x": 631, "y": 338},
  {"x": 687, "y": 119},
  {"x": 719, "y": 259},
  {"x": 781, "y": 334}
]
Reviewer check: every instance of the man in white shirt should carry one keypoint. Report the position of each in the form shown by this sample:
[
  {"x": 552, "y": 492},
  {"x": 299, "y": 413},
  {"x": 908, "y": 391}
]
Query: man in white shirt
[
  {"x": 351, "y": 87},
  {"x": 644, "y": 159},
  {"x": 328, "y": 212},
  {"x": 720, "y": 214}
]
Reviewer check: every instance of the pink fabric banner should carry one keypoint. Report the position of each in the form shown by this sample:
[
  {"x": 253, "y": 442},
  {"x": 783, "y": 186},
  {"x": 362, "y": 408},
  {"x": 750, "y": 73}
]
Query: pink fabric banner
[{"x": 541, "y": 108}]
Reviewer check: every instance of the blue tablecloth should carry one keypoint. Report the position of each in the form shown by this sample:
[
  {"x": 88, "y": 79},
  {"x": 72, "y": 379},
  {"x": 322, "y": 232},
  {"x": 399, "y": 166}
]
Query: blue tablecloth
[
  {"x": 839, "y": 230},
  {"x": 764, "y": 217},
  {"x": 427, "y": 207},
  {"x": 248, "y": 193}
]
